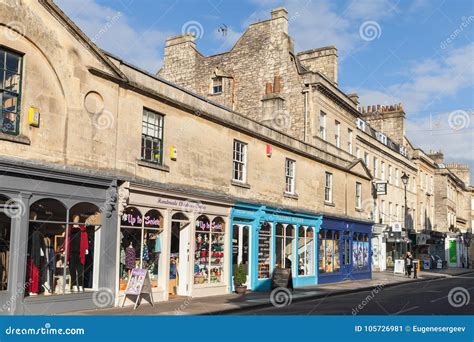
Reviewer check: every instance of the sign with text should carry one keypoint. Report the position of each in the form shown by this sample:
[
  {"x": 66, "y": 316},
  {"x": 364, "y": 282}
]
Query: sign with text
[
  {"x": 138, "y": 284},
  {"x": 281, "y": 277},
  {"x": 381, "y": 188}
]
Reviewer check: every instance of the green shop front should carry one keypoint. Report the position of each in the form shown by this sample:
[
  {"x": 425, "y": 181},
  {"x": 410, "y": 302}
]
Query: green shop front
[{"x": 265, "y": 237}]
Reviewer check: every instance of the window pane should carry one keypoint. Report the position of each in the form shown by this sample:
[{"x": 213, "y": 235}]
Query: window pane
[
  {"x": 13, "y": 62},
  {"x": 5, "y": 229},
  {"x": 2, "y": 59},
  {"x": 12, "y": 82}
]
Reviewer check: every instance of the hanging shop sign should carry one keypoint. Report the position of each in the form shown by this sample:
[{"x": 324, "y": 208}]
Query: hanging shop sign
[
  {"x": 397, "y": 227},
  {"x": 381, "y": 188},
  {"x": 281, "y": 277},
  {"x": 138, "y": 285}
]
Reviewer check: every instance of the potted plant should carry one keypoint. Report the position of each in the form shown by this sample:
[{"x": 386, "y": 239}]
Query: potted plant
[{"x": 240, "y": 278}]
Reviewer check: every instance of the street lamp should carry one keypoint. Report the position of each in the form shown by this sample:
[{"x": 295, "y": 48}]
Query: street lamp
[{"x": 405, "y": 183}]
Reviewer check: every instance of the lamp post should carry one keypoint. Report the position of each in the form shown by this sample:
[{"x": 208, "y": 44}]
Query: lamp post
[{"x": 405, "y": 178}]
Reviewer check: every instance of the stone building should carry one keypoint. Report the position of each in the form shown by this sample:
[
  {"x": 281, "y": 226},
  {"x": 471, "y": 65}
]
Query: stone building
[
  {"x": 263, "y": 78},
  {"x": 156, "y": 177}
]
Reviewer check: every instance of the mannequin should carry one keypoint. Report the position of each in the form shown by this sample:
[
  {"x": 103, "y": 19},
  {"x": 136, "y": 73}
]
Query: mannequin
[
  {"x": 77, "y": 251},
  {"x": 35, "y": 252},
  {"x": 130, "y": 258}
]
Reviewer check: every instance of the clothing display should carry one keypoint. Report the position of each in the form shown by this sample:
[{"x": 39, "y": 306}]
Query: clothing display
[
  {"x": 76, "y": 269},
  {"x": 4, "y": 263},
  {"x": 130, "y": 258},
  {"x": 33, "y": 276},
  {"x": 78, "y": 241}
]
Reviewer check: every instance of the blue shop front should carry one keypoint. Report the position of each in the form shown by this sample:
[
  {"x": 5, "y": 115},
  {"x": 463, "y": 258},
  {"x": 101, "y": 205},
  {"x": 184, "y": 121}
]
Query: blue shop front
[
  {"x": 344, "y": 250},
  {"x": 264, "y": 238},
  {"x": 317, "y": 249}
]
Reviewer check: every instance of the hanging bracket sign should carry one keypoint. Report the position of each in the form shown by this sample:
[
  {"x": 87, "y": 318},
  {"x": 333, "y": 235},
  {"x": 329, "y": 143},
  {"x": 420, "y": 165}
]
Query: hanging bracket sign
[{"x": 138, "y": 285}]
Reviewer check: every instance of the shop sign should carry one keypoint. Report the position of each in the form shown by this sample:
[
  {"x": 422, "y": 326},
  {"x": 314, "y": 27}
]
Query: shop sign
[
  {"x": 381, "y": 188},
  {"x": 281, "y": 277},
  {"x": 399, "y": 266},
  {"x": 131, "y": 220},
  {"x": 139, "y": 284},
  {"x": 397, "y": 227},
  {"x": 185, "y": 205}
]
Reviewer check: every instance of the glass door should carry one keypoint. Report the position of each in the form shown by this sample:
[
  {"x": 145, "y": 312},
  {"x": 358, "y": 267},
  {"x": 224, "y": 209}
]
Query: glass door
[{"x": 241, "y": 249}]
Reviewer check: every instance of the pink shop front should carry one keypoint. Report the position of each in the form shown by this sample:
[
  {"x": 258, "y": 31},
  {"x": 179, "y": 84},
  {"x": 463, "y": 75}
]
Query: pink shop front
[{"x": 182, "y": 242}]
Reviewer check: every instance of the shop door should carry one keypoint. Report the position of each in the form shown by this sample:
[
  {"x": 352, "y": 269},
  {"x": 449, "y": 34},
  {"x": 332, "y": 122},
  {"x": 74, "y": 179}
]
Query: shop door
[
  {"x": 179, "y": 257},
  {"x": 241, "y": 249},
  {"x": 346, "y": 267}
]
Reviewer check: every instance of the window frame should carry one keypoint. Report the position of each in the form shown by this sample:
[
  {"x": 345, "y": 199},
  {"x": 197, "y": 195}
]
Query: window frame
[
  {"x": 358, "y": 194},
  {"x": 328, "y": 187},
  {"x": 350, "y": 136},
  {"x": 242, "y": 162},
  {"x": 290, "y": 177},
  {"x": 161, "y": 130},
  {"x": 18, "y": 95},
  {"x": 337, "y": 134},
  {"x": 213, "y": 86},
  {"x": 322, "y": 125}
]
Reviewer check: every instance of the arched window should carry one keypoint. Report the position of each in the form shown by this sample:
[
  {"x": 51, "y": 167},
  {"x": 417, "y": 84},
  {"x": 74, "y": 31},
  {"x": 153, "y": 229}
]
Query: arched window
[
  {"x": 209, "y": 250},
  {"x": 305, "y": 250},
  {"x": 61, "y": 247}
]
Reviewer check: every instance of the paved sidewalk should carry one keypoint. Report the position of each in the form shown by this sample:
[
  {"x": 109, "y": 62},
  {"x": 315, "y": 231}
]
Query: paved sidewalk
[{"x": 216, "y": 305}]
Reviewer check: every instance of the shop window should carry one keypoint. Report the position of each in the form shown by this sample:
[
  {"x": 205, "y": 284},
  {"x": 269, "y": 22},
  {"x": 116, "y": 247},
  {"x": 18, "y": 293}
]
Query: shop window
[
  {"x": 152, "y": 137},
  {"x": 264, "y": 247},
  {"x": 329, "y": 252},
  {"x": 7, "y": 211},
  {"x": 10, "y": 91},
  {"x": 305, "y": 251},
  {"x": 240, "y": 247},
  {"x": 61, "y": 254},
  {"x": 346, "y": 258},
  {"x": 209, "y": 250},
  {"x": 140, "y": 244},
  {"x": 284, "y": 245},
  {"x": 360, "y": 252}
]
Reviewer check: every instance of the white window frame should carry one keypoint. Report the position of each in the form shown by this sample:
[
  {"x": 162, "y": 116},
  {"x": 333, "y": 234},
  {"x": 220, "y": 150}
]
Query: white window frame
[
  {"x": 390, "y": 174},
  {"x": 290, "y": 168},
  {"x": 376, "y": 164},
  {"x": 367, "y": 159},
  {"x": 358, "y": 194},
  {"x": 397, "y": 176},
  {"x": 328, "y": 187},
  {"x": 337, "y": 133},
  {"x": 349, "y": 141},
  {"x": 239, "y": 158},
  {"x": 322, "y": 125},
  {"x": 214, "y": 86},
  {"x": 382, "y": 170}
]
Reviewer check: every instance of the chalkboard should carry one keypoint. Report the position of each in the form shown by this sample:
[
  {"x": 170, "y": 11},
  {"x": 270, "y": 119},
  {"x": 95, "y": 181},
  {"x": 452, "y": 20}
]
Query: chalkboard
[{"x": 282, "y": 277}]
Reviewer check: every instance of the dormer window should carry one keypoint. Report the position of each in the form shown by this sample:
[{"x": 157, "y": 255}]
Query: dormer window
[
  {"x": 360, "y": 124},
  {"x": 217, "y": 85}
]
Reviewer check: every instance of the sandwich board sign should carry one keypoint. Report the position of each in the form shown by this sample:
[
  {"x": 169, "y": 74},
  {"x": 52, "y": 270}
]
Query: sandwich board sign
[{"x": 138, "y": 285}]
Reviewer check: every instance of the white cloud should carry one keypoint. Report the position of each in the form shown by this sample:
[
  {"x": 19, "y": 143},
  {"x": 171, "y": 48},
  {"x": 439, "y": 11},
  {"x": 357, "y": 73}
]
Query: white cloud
[
  {"x": 432, "y": 80},
  {"x": 111, "y": 31}
]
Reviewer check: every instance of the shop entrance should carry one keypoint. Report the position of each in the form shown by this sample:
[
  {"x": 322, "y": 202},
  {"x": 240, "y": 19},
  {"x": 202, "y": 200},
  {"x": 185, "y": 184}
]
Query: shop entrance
[
  {"x": 179, "y": 255},
  {"x": 240, "y": 249},
  {"x": 346, "y": 253}
]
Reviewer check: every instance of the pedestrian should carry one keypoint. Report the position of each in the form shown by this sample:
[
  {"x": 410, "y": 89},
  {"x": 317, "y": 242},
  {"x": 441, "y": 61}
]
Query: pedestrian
[{"x": 408, "y": 264}]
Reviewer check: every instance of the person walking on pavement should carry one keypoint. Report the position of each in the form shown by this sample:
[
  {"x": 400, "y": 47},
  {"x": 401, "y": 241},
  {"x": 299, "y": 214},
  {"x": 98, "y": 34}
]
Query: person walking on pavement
[{"x": 408, "y": 264}]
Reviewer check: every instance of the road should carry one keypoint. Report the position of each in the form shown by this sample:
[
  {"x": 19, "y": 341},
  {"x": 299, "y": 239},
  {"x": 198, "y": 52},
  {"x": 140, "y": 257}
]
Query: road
[{"x": 421, "y": 298}]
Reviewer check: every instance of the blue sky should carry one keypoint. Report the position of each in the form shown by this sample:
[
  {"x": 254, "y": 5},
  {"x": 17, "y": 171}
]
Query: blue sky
[{"x": 419, "y": 53}]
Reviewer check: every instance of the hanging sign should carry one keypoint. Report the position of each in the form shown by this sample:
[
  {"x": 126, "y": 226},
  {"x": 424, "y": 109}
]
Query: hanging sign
[
  {"x": 139, "y": 284},
  {"x": 381, "y": 188}
]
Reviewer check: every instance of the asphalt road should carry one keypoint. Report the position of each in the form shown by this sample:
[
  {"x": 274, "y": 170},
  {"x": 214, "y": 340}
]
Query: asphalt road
[{"x": 447, "y": 296}]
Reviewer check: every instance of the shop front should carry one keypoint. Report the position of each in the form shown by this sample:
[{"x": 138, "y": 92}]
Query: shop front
[
  {"x": 53, "y": 229},
  {"x": 264, "y": 238},
  {"x": 180, "y": 241},
  {"x": 344, "y": 250}
]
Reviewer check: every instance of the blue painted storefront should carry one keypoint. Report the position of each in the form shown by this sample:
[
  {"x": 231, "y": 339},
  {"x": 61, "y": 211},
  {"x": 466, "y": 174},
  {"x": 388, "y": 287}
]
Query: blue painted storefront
[
  {"x": 349, "y": 234},
  {"x": 254, "y": 217},
  {"x": 352, "y": 238}
]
